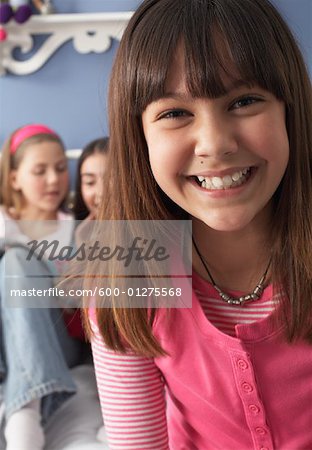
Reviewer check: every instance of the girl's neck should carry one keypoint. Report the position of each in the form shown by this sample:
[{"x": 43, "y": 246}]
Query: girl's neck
[
  {"x": 237, "y": 259},
  {"x": 35, "y": 223},
  {"x": 30, "y": 213}
]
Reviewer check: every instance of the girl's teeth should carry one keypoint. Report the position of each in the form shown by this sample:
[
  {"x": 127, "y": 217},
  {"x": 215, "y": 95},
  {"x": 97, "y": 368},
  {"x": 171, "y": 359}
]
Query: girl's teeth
[
  {"x": 217, "y": 182},
  {"x": 236, "y": 176},
  {"x": 228, "y": 181}
]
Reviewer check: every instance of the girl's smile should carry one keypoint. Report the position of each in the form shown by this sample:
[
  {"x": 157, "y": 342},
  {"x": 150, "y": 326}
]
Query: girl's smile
[
  {"x": 220, "y": 159},
  {"x": 224, "y": 183}
]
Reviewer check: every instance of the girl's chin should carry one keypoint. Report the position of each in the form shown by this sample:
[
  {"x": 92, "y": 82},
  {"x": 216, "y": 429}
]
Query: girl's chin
[
  {"x": 226, "y": 223},
  {"x": 92, "y": 213},
  {"x": 49, "y": 209}
]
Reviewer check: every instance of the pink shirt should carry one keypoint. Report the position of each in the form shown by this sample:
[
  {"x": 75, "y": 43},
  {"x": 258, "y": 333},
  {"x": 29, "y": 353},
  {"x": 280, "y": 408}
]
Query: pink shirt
[{"x": 252, "y": 391}]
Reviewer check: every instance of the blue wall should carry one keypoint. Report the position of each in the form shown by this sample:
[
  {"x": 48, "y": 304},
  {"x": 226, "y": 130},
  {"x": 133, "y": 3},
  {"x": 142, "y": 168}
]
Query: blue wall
[{"x": 69, "y": 92}]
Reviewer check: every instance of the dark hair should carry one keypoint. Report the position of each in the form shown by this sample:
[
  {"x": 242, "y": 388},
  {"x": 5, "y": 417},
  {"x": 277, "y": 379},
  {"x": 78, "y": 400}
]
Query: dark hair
[
  {"x": 251, "y": 36},
  {"x": 100, "y": 145}
]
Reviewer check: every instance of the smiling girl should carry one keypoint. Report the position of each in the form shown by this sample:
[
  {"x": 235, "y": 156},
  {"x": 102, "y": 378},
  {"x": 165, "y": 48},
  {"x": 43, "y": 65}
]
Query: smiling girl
[{"x": 211, "y": 120}]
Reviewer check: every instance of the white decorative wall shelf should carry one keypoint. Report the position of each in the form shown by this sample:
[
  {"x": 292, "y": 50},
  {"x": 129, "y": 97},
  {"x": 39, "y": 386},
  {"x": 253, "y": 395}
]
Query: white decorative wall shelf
[
  {"x": 73, "y": 153},
  {"x": 90, "y": 32}
]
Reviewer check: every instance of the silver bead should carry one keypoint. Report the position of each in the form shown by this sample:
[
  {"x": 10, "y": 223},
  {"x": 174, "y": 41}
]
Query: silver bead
[
  {"x": 255, "y": 295},
  {"x": 258, "y": 291}
]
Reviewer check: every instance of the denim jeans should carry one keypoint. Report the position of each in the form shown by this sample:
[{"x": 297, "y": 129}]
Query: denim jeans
[{"x": 36, "y": 351}]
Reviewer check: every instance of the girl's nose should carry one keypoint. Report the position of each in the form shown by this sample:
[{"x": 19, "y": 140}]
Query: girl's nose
[
  {"x": 52, "y": 177},
  {"x": 215, "y": 137}
]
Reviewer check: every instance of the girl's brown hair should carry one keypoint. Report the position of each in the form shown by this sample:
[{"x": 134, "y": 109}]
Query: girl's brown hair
[
  {"x": 263, "y": 51},
  {"x": 9, "y": 198}
]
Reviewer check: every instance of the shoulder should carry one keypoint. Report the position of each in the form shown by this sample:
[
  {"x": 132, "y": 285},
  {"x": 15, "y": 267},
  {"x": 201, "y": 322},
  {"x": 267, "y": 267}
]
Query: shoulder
[
  {"x": 62, "y": 215},
  {"x": 3, "y": 213},
  {"x": 65, "y": 229},
  {"x": 2, "y": 222},
  {"x": 8, "y": 225}
]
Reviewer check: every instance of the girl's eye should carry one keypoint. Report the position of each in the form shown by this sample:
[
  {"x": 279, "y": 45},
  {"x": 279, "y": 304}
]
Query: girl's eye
[
  {"x": 39, "y": 172},
  {"x": 173, "y": 114},
  {"x": 62, "y": 168},
  {"x": 245, "y": 101}
]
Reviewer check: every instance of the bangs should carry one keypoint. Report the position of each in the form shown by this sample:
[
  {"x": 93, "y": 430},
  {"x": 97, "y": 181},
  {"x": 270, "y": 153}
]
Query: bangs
[{"x": 218, "y": 38}]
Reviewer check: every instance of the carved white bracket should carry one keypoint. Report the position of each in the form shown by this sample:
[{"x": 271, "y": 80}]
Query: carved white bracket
[{"x": 91, "y": 32}]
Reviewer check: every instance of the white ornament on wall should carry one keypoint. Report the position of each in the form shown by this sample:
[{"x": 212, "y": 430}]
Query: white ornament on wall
[{"x": 90, "y": 32}]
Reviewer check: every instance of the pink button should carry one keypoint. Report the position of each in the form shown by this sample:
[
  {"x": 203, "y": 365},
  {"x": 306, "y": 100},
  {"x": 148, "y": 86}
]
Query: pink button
[
  {"x": 260, "y": 430},
  {"x": 242, "y": 364},
  {"x": 254, "y": 409},
  {"x": 247, "y": 387}
]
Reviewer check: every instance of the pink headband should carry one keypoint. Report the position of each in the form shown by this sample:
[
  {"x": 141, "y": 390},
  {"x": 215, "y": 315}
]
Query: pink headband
[{"x": 27, "y": 132}]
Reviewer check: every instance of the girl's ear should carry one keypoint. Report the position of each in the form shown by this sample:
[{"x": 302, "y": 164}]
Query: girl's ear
[{"x": 14, "y": 180}]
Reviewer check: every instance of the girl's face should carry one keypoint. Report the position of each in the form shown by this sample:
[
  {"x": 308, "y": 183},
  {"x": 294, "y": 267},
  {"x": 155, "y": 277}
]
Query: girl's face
[
  {"x": 92, "y": 173},
  {"x": 42, "y": 178},
  {"x": 220, "y": 159}
]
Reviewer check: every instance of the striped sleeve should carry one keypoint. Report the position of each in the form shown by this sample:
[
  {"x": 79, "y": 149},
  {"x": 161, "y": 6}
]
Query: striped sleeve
[{"x": 131, "y": 392}]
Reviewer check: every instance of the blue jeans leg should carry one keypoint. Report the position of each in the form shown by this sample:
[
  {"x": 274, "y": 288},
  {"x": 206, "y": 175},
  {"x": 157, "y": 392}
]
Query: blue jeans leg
[
  {"x": 2, "y": 365},
  {"x": 37, "y": 350}
]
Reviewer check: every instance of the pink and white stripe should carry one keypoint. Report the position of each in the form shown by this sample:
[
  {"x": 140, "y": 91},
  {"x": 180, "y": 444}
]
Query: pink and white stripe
[
  {"x": 132, "y": 398},
  {"x": 224, "y": 316}
]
